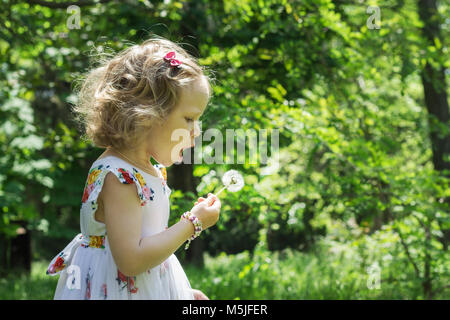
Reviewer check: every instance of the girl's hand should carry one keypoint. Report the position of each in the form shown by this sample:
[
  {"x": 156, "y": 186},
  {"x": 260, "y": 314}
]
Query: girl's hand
[
  {"x": 198, "y": 295},
  {"x": 207, "y": 213},
  {"x": 203, "y": 199}
]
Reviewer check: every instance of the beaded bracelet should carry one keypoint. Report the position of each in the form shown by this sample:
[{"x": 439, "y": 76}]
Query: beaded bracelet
[{"x": 197, "y": 226}]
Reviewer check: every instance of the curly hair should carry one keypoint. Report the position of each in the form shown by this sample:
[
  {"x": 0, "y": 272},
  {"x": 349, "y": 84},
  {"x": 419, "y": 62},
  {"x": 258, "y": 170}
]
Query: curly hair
[{"x": 121, "y": 98}]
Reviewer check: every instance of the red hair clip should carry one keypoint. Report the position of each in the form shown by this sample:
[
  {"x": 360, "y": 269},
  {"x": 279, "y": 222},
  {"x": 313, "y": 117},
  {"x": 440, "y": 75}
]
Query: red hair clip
[{"x": 170, "y": 57}]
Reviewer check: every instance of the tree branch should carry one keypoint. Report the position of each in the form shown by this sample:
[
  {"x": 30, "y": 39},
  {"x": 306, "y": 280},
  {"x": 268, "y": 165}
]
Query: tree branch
[
  {"x": 405, "y": 246},
  {"x": 65, "y": 5}
]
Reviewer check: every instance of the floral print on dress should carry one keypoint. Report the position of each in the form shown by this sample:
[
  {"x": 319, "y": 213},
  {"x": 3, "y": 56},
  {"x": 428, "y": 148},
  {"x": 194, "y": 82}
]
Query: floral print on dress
[
  {"x": 128, "y": 282},
  {"x": 96, "y": 177},
  {"x": 164, "y": 185},
  {"x": 103, "y": 291},
  {"x": 145, "y": 193},
  {"x": 88, "y": 285},
  {"x": 149, "y": 193},
  {"x": 95, "y": 242},
  {"x": 90, "y": 182},
  {"x": 64, "y": 257},
  {"x": 58, "y": 265},
  {"x": 163, "y": 171},
  {"x": 125, "y": 175}
]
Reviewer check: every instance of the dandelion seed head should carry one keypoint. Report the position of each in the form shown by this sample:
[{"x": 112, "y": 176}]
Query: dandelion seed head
[{"x": 233, "y": 180}]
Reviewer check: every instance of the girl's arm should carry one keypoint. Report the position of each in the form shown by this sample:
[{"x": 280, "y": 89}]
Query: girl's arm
[
  {"x": 153, "y": 250},
  {"x": 123, "y": 216}
]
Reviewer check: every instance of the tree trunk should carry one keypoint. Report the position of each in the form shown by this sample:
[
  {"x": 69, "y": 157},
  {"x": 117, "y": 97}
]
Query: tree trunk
[
  {"x": 427, "y": 283},
  {"x": 435, "y": 94},
  {"x": 16, "y": 252},
  {"x": 183, "y": 179}
]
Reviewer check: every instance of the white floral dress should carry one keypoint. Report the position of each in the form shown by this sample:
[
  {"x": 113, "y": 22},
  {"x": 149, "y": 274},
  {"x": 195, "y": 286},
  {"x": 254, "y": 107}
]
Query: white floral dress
[{"x": 86, "y": 267}]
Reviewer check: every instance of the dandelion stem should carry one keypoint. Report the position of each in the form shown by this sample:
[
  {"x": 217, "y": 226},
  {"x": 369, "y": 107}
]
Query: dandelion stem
[
  {"x": 220, "y": 191},
  {"x": 209, "y": 201}
]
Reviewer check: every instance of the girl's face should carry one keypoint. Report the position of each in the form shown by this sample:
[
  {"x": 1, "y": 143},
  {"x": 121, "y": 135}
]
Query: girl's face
[{"x": 167, "y": 140}]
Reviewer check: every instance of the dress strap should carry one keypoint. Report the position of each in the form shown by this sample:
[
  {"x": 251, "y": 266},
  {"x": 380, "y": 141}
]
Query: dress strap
[
  {"x": 162, "y": 170},
  {"x": 163, "y": 174}
]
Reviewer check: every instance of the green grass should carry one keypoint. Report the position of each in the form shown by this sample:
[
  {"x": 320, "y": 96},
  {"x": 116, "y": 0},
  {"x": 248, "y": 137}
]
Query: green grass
[
  {"x": 265, "y": 275},
  {"x": 37, "y": 286},
  {"x": 289, "y": 275}
]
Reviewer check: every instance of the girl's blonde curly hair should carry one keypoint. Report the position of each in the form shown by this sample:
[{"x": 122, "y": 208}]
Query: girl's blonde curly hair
[{"x": 121, "y": 98}]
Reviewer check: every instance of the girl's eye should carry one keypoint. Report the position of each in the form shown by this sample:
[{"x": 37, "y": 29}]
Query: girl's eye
[{"x": 189, "y": 119}]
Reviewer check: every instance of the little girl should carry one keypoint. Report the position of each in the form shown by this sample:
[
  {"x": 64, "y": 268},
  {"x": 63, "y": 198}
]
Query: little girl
[{"x": 131, "y": 105}]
